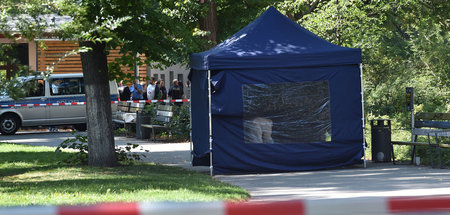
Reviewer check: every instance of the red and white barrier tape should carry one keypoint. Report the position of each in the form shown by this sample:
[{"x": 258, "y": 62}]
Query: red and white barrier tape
[
  {"x": 45, "y": 104},
  {"x": 155, "y": 101},
  {"x": 83, "y": 103},
  {"x": 368, "y": 206}
]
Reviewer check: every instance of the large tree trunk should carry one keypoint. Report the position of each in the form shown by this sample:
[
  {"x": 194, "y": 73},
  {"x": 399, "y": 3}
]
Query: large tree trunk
[
  {"x": 98, "y": 106},
  {"x": 209, "y": 22}
]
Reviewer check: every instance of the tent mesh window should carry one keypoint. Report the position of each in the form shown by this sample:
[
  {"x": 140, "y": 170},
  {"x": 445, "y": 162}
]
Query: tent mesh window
[{"x": 296, "y": 112}]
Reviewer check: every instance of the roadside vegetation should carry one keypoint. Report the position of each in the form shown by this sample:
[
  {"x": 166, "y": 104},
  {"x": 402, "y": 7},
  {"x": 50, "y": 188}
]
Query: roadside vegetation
[{"x": 31, "y": 175}]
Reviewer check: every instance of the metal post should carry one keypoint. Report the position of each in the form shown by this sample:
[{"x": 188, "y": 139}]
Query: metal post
[
  {"x": 210, "y": 125},
  {"x": 191, "y": 145},
  {"x": 362, "y": 108},
  {"x": 136, "y": 66},
  {"x": 410, "y": 104},
  {"x": 412, "y": 124},
  {"x": 410, "y": 107}
]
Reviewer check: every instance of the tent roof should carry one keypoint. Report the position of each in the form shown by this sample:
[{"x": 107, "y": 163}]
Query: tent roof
[{"x": 273, "y": 41}]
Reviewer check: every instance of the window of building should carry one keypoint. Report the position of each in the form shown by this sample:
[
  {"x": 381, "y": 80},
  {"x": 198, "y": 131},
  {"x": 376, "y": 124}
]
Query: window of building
[
  {"x": 180, "y": 79},
  {"x": 171, "y": 76},
  {"x": 19, "y": 52}
]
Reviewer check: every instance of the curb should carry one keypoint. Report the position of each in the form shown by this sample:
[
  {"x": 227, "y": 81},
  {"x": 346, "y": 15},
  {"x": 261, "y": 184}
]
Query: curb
[{"x": 389, "y": 205}]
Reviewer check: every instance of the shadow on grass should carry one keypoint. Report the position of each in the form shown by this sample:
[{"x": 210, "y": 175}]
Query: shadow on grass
[
  {"x": 141, "y": 177},
  {"x": 25, "y": 173},
  {"x": 19, "y": 162}
]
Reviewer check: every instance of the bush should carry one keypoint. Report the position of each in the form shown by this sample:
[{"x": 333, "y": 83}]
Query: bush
[
  {"x": 80, "y": 157},
  {"x": 180, "y": 123}
]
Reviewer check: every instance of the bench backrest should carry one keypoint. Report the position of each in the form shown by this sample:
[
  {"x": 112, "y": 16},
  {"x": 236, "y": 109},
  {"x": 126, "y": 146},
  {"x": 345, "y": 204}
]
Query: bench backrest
[
  {"x": 164, "y": 113},
  {"x": 438, "y": 124},
  {"x": 128, "y": 107},
  {"x": 432, "y": 120}
]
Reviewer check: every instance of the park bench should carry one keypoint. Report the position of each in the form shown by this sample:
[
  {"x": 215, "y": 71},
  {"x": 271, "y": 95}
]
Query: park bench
[
  {"x": 126, "y": 116},
  {"x": 432, "y": 125},
  {"x": 162, "y": 119}
]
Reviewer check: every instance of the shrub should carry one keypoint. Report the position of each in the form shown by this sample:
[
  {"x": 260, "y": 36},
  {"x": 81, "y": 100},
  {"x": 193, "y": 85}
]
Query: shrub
[
  {"x": 80, "y": 145},
  {"x": 180, "y": 123}
]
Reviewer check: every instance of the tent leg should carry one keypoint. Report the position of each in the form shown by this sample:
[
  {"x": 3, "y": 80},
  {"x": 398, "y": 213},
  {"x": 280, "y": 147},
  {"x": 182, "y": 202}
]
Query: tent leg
[
  {"x": 362, "y": 119},
  {"x": 191, "y": 144},
  {"x": 210, "y": 125}
]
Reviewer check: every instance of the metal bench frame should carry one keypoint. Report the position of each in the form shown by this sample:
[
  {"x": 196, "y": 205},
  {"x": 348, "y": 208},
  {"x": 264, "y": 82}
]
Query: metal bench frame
[
  {"x": 163, "y": 116},
  {"x": 437, "y": 125}
]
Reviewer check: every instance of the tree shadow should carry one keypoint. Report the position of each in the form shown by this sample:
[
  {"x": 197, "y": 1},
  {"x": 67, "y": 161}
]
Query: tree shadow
[
  {"x": 19, "y": 162},
  {"x": 43, "y": 173}
]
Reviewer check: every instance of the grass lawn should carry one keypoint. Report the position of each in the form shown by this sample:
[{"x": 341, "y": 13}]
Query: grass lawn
[{"x": 31, "y": 175}]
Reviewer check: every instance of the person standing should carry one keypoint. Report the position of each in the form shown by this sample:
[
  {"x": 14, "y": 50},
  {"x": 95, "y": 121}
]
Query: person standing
[
  {"x": 176, "y": 92},
  {"x": 188, "y": 90},
  {"x": 136, "y": 90},
  {"x": 153, "y": 90},
  {"x": 144, "y": 94},
  {"x": 157, "y": 91},
  {"x": 124, "y": 91},
  {"x": 162, "y": 89}
]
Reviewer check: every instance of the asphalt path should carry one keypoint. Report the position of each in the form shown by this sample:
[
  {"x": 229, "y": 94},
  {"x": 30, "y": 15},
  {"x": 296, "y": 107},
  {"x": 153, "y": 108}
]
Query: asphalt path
[{"x": 377, "y": 180}]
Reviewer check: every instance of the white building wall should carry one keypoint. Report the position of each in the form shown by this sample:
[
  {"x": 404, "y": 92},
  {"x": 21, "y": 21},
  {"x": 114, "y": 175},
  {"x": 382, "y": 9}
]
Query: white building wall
[{"x": 179, "y": 72}]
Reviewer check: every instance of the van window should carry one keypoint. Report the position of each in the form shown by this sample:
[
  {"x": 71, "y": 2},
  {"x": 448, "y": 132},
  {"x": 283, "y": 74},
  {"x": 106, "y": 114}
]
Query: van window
[
  {"x": 66, "y": 86},
  {"x": 36, "y": 88}
]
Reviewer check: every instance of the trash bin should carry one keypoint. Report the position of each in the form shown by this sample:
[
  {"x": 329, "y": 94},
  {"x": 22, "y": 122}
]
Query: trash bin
[
  {"x": 381, "y": 140},
  {"x": 142, "y": 118}
]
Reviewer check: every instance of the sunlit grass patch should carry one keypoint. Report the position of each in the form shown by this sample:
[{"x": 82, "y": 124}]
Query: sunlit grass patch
[{"x": 33, "y": 175}]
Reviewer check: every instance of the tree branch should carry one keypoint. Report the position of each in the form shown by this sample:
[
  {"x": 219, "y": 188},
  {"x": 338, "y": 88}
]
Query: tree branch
[{"x": 313, "y": 5}]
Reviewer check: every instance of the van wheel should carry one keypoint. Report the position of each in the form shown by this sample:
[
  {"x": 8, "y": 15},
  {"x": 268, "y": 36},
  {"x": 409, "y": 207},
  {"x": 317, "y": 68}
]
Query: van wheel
[
  {"x": 9, "y": 124},
  {"x": 80, "y": 127}
]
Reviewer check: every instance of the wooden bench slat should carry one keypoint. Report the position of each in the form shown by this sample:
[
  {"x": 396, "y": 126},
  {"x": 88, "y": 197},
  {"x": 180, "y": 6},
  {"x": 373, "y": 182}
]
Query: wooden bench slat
[
  {"x": 412, "y": 143},
  {"x": 153, "y": 126},
  {"x": 164, "y": 113},
  {"x": 164, "y": 119},
  {"x": 443, "y": 145},
  {"x": 432, "y": 124},
  {"x": 433, "y": 116},
  {"x": 432, "y": 132},
  {"x": 165, "y": 107}
]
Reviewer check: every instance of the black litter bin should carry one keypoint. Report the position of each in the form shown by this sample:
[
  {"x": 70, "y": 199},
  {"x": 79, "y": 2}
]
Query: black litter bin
[
  {"x": 142, "y": 118},
  {"x": 381, "y": 140}
]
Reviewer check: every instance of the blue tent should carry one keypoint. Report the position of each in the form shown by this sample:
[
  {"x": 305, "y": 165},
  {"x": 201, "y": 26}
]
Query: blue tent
[{"x": 281, "y": 99}]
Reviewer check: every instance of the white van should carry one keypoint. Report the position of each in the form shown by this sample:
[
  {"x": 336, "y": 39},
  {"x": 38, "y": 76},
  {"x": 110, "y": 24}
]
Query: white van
[{"x": 35, "y": 109}]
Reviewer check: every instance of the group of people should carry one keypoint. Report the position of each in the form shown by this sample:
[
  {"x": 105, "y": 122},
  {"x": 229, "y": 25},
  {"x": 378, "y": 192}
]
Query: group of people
[{"x": 154, "y": 90}]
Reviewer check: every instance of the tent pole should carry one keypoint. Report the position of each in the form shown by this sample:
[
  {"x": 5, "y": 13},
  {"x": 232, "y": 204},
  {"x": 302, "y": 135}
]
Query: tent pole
[
  {"x": 191, "y": 144},
  {"x": 362, "y": 108},
  {"x": 210, "y": 125}
]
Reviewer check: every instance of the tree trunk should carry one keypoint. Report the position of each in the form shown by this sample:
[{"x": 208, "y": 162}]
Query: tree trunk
[
  {"x": 209, "y": 22},
  {"x": 98, "y": 106}
]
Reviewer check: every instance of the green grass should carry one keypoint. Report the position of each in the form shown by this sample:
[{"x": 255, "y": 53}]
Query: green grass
[{"x": 32, "y": 175}]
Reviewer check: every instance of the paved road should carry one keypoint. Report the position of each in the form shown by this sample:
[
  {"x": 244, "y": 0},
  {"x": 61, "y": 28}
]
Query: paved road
[{"x": 376, "y": 180}]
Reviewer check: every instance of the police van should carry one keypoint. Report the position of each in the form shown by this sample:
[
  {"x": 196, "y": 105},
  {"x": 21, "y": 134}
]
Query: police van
[{"x": 46, "y": 105}]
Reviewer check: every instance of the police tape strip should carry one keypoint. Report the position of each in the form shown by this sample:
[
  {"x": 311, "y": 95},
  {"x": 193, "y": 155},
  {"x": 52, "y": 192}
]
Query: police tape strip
[
  {"x": 83, "y": 103},
  {"x": 155, "y": 101},
  {"x": 367, "y": 206}
]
